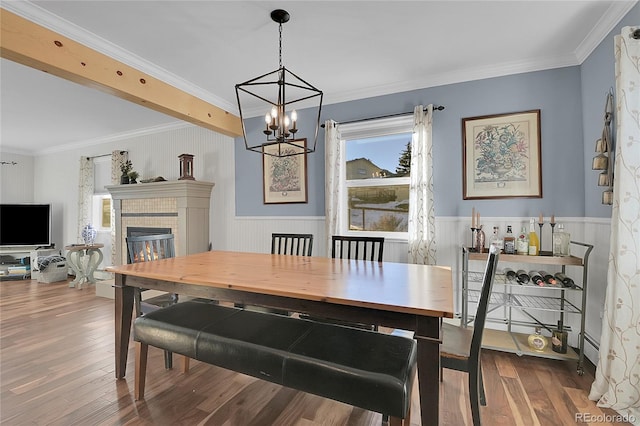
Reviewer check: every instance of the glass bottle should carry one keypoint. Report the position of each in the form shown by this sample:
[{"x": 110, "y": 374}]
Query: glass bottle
[
  {"x": 495, "y": 239},
  {"x": 510, "y": 274},
  {"x": 565, "y": 280},
  {"x": 559, "y": 340},
  {"x": 549, "y": 278},
  {"x": 561, "y": 241},
  {"x": 534, "y": 243},
  {"x": 536, "y": 278},
  {"x": 523, "y": 277},
  {"x": 522, "y": 244},
  {"x": 537, "y": 341},
  {"x": 509, "y": 242}
]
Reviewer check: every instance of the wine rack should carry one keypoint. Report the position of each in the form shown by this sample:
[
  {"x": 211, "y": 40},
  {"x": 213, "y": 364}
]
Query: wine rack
[{"x": 530, "y": 300}]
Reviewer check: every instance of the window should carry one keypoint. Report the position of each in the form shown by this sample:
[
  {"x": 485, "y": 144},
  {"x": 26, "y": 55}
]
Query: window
[{"x": 377, "y": 169}]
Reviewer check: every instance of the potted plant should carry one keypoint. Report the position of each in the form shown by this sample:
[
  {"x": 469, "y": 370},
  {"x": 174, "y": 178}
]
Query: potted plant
[
  {"x": 125, "y": 168},
  {"x": 133, "y": 175}
]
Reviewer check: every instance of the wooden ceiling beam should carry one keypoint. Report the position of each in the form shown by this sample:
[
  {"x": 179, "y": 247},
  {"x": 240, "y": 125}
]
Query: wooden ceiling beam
[{"x": 32, "y": 45}]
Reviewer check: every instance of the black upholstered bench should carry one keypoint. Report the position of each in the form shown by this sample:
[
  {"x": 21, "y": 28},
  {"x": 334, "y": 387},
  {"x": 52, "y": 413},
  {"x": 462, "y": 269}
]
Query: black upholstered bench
[{"x": 367, "y": 369}]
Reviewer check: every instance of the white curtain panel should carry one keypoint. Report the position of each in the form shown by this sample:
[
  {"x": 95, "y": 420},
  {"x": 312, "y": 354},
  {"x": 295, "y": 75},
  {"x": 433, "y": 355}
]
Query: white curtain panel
[
  {"x": 617, "y": 383},
  {"x": 85, "y": 195},
  {"x": 422, "y": 231},
  {"x": 334, "y": 171},
  {"x": 117, "y": 159}
]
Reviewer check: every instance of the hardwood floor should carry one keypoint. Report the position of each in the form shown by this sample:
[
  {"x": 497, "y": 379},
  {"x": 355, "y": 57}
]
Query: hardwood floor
[{"x": 57, "y": 368}]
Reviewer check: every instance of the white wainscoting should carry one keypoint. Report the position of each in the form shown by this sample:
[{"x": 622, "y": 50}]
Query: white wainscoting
[{"x": 253, "y": 234}]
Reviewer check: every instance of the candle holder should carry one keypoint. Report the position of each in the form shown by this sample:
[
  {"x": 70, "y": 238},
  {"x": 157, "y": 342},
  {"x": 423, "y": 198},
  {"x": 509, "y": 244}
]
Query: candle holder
[
  {"x": 540, "y": 224},
  {"x": 473, "y": 239}
]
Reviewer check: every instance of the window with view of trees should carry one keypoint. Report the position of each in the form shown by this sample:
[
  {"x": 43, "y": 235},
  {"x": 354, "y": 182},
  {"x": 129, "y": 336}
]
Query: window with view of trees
[{"x": 377, "y": 183}]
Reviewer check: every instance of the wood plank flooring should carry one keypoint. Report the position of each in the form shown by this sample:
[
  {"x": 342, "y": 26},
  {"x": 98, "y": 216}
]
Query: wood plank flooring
[{"x": 57, "y": 368}]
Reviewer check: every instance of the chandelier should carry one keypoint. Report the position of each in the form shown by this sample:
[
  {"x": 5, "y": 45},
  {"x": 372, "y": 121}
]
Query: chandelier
[{"x": 280, "y": 91}]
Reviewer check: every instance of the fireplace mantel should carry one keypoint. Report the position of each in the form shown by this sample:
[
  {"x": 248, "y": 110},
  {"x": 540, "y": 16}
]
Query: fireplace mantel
[
  {"x": 181, "y": 205},
  {"x": 177, "y": 188}
]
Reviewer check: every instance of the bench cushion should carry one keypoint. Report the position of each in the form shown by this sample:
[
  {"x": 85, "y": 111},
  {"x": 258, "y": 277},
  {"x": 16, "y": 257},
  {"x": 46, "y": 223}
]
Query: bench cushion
[
  {"x": 363, "y": 368},
  {"x": 253, "y": 343},
  {"x": 176, "y": 327}
]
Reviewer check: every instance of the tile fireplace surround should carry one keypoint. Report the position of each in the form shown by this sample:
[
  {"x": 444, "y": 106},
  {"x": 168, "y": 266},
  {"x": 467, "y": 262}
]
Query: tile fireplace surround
[{"x": 182, "y": 206}]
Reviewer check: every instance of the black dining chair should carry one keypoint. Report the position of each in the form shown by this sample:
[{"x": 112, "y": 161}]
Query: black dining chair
[
  {"x": 146, "y": 248},
  {"x": 293, "y": 244},
  {"x": 357, "y": 248},
  {"x": 362, "y": 248},
  {"x": 461, "y": 346},
  {"x": 287, "y": 244}
]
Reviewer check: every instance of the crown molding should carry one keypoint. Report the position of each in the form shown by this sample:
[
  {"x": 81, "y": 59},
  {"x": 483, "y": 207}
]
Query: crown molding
[
  {"x": 117, "y": 137},
  {"x": 46, "y": 19},
  {"x": 616, "y": 11}
]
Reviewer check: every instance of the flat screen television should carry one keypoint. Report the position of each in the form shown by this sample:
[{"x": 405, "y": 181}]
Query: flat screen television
[{"x": 25, "y": 225}]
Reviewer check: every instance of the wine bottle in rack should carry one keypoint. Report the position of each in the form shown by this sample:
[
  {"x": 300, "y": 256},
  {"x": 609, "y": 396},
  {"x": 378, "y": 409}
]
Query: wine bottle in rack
[
  {"x": 510, "y": 274},
  {"x": 565, "y": 280},
  {"x": 548, "y": 278},
  {"x": 523, "y": 277},
  {"x": 536, "y": 278}
]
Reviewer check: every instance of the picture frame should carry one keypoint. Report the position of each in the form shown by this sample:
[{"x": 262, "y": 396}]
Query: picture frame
[
  {"x": 284, "y": 179},
  {"x": 502, "y": 156}
]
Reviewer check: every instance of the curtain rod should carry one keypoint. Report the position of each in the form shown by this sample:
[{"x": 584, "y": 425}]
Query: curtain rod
[
  {"x": 435, "y": 108},
  {"x": 103, "y": 155}
]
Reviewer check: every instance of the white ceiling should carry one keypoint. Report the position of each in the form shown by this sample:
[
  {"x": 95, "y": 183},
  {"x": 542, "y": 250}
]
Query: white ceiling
[{"x": 348, "y": 49}]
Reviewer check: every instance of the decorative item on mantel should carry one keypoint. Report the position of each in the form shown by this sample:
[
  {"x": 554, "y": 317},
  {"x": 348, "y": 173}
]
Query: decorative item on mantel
[
  {"x": 186, "y": 167},
  {"x": 133, "y": 176},
  {"x": 89, "y": 234},
  {"x": 125, "y": 168}
]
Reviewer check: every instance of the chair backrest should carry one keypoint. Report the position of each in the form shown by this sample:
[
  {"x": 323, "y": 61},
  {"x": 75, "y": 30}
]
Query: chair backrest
[
  {"x": 483, "y": 302},
  {"x": 361, "y": 248},
  {"x": 145, "y": 248},
  {"x": 294, "y": 244}
]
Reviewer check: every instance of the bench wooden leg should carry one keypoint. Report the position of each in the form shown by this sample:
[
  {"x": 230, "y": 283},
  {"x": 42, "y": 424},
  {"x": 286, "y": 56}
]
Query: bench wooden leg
[
  {"x": 185, "y": 364},
  {"x": 396, "y": 421},
  {"x": 141, "y": 370}
]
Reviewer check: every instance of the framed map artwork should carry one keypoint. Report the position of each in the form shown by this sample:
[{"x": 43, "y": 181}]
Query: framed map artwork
[
  {"x": 501, "y": 156},
  {"x": 285, "y": 178}
]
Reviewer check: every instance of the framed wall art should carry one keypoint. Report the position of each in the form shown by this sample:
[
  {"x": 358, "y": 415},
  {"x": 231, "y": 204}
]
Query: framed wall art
[
  {"x": 285, "y": 178},
  {"x": 501, "y": 156}
]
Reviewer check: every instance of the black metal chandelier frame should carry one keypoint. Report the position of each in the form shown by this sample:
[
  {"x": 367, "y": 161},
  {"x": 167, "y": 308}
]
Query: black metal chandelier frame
[{"x": 279, "y": 130}]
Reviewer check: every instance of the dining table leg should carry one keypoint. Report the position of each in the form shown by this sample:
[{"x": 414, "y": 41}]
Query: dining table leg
[
  {"x": 123, "y": 315},
  {"x": 428, "y": 337}
]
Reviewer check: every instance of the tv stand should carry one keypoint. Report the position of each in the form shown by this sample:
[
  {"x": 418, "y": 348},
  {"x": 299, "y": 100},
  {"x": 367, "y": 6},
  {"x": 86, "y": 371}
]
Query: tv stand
[{"x": 11, "y": 256}]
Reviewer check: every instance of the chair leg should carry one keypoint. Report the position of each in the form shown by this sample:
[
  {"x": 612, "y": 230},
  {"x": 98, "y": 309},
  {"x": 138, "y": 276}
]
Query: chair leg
[
  {"x": 185, "y": 364},
  {"x": 474, "y": 397},
  {"x": 141, "y": 370},
  {"x": 168, "y": 360},
  {"x": 483, "y": 398},
  {"x": 397, "y": 421}
]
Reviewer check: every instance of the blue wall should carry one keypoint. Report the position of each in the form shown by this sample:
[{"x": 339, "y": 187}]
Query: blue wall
[
  {"x": 564, "y": 96},
  {"x": 597, "y": 78}
]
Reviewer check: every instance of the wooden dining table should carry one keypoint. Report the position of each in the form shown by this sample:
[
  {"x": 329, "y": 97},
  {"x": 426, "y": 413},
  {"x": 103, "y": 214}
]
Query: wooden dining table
[{"x": 397, "y": 295}]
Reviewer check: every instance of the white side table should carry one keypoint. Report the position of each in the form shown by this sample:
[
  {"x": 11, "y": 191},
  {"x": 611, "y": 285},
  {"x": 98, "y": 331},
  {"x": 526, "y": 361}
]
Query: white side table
[{"x": 84, "y": 260}]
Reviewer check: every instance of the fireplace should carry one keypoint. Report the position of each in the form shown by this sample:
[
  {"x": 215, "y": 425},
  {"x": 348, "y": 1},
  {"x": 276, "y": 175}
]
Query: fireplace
[
  {"x": 144, "y": 231},
  {"x": 177, "y": 207}
]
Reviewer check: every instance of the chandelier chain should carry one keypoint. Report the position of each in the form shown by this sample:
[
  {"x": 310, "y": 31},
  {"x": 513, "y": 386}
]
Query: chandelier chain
[{"x": 280, "y": 47}]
